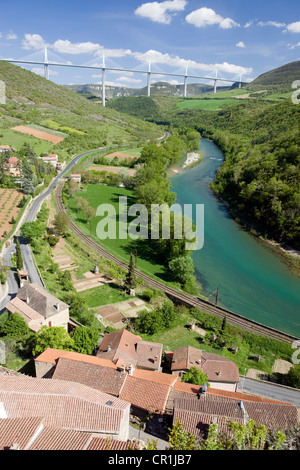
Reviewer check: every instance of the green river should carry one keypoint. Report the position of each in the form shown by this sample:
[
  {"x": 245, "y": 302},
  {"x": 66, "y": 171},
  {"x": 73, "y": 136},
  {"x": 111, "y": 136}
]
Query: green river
[{"x": 252, "y": 280}]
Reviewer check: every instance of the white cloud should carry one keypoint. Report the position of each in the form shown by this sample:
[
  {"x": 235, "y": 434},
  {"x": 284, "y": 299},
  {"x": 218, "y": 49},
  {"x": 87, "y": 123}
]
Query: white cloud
[
  {"x": 67, "y": 47},
  {"x": 293, "y": 46},
  {"x": 160, "y": 12},
  {"x": 294, "y": 27},
  {"x": 207, "y": 17},
  {"x": 240, "y": 44},
  {"x": 11, "y": 35},
  {"x": 33, "y": 41},
  {"x": 271, "y": 23},
  {"x": 129, "y": 80},
  {"x": 248, "y": 24},
  {"x": 41, "y": 71},
  {"x": 156, "y": 57}
]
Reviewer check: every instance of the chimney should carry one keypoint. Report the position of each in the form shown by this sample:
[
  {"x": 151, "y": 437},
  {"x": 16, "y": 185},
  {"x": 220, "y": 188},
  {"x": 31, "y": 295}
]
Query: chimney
[
  {"x": 130, "y": 369},
  {"x": 108, "y": 348},
  {"x": 14, "y": 446},
  {"x": 123, "y": 368},
  {"x": 244, "y": 412}
]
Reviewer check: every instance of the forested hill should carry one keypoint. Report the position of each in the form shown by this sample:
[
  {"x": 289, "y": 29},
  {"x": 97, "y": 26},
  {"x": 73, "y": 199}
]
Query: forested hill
[
  {"x": 279, "y": 79},
  {"x": 260, "y": 178},
  {"x": 33, "y": 100}
]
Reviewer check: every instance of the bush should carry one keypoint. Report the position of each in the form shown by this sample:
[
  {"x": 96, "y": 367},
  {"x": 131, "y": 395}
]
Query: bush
[{"x": 14, "y": 327}]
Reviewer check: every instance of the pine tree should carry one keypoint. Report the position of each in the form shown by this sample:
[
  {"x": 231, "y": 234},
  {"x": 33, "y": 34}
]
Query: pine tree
[
  {"x": 19, "y": 255},
  {"x": 130, "y": 281}
]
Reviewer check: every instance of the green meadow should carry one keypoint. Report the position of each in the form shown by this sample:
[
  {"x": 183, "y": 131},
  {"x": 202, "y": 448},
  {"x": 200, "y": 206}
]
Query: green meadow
[{"x": 96, "y": 194}]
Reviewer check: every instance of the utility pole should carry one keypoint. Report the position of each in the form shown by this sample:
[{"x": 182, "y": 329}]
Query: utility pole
[{"x": 217, "y": 295}]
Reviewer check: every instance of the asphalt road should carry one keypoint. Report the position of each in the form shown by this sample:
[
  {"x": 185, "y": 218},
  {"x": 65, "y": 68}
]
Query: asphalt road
[
  {"x": 270, "y": 390},
  {"x": 29, "y": 264}
]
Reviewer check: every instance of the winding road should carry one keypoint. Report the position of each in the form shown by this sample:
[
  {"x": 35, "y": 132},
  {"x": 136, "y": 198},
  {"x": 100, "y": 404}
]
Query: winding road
[{"x": 29, "y": 264}]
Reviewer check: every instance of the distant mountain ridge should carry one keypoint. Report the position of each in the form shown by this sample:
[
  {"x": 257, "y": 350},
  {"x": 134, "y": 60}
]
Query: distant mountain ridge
[{"x": 158, "y": 88}]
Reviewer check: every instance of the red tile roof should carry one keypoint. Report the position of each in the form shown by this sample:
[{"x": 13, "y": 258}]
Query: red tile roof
[
  {"x": 62, "y": 404},
  {"x": 99, "y": 443},
  {"x": 196, "y": 414},
  {"x": 217, "y": 368},
  {"x": 51, "y": 356},
  {"x": 19, "y": 431},
  {"x": 61, "y": 439},
  {"x": 105, "y": 379}
]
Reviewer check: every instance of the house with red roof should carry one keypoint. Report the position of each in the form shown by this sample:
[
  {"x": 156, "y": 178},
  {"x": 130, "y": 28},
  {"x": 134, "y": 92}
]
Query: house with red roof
[
  {"x": 221, "y": 372},
  {"x": 125, "y": 349}
]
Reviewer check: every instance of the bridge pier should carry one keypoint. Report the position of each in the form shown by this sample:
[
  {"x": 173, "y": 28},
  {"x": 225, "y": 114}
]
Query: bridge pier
[
  {"x": 103, "y": 87},
  {"x": 215, "y": 86},
  {"x": 185, "y": 87}
]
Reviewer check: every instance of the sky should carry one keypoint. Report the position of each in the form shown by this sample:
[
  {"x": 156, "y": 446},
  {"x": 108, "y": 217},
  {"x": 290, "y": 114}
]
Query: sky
[{"x": 228, "y": 38}]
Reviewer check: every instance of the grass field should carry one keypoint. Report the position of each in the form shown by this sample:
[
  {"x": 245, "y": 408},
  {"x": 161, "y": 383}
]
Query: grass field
[
  {"x": 104, "y": 295},
  {"x": 205, "y": 104},
  {"x": 98, "y": 194}
]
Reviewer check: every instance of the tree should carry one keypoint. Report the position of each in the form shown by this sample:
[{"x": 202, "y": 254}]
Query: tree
[
  {"x": 195, "y": 376},
  {"x": 182, "y": 268},
  {"x": 90, "y": 212},
  {"x": 32, "y": 231},
  {"x": 293, "y": 376},
  {"x": 130, "y": 280},
  {"x": 180, "y": 439},
  {"x": 15, "y": 326},
  {"x": 19, "y": 255},
  {"x": 28, "y": 186},
  {"x": 4, "y": 270},
  {"x": 55, "y": 337},
  {"x": 85, "y": 339},
  {"x": 61, "y": 223}
]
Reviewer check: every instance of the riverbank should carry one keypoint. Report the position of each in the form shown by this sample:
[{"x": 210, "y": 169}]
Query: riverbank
[{"x": 253, "y": 280}]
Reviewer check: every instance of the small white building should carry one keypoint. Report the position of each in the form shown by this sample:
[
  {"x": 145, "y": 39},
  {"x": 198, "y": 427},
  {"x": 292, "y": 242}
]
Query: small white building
[{"x": 52, "y": 158}]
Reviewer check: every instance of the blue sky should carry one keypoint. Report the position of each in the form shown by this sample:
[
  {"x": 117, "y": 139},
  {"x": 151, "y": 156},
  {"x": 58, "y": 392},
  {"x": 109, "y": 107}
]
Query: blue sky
[{"x": 229, "y": 36}]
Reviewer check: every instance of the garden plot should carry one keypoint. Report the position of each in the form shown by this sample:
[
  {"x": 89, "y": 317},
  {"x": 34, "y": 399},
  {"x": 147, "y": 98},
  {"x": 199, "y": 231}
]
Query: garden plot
[
  {"x": 62, "y": 256},
  {"x": 9, "y": 210},
  {"x": 90, "y": 281},
  {"x": 118, "y": 312}
]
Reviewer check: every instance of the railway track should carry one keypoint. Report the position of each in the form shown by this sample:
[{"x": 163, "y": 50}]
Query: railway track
[{"x": 179, "y": 296}]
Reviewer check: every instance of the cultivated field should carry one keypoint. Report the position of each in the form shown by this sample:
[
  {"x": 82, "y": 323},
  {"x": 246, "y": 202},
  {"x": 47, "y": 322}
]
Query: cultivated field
[
  {"x": 9, "y": 200},
  {"x": 114, "y": 169},
  {"x": 39, "y": 134}
]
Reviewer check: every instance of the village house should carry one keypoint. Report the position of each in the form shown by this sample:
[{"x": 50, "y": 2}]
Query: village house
[
  {"x": 75, "y": 177},
  {"x": 197, "y": 412},
  {"x": 52, "y": 158},
  {"x": 126, "y": 349},
  {"x": 146, "y": 390},
  {"x": 221, "y": 372},
  {"x": 5, "y": 148},
  {"x": 164, "y": 396},
  {"x": 38, "y": 307},
  {"x": 64, "y": 406},
  {"x": 13, "y": 166}
]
